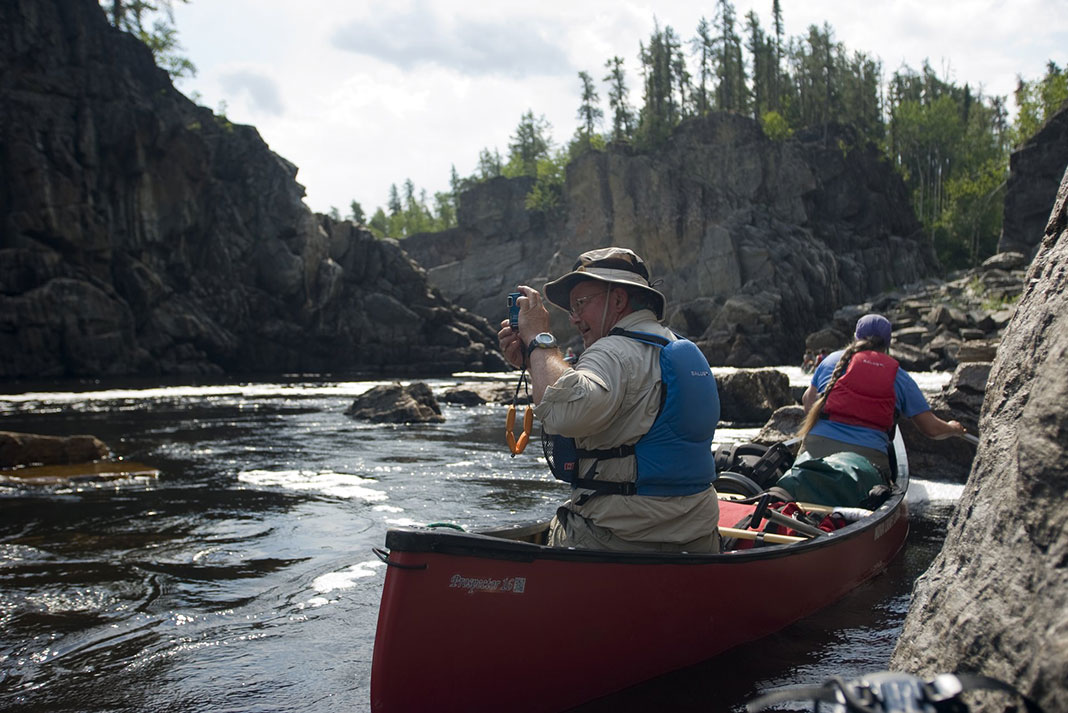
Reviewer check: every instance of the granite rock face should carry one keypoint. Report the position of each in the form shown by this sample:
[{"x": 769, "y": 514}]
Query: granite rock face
[
  {"x": 142, "y": 234},
  {"x": 994, "y": 600},
  {"x": 758, "y": 242},
  {"x": 1034, "y": 172}
]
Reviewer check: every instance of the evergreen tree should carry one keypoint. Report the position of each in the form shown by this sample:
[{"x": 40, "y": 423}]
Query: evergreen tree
[
  {"x": 622, "y": 115},
  {"x": 135, "y": 16},
  {"x": 703, "y": 47},
  {"x": 589, "y": 113},
  {"x": 456, "y": 186},
  {"x": 1038, "y": 101},
  {"x": 731, "y": 91},
  {"x": 683, "y": 84},
  {"x": 379, "y": 223},
  {"x": 659, "y": 114},
  {"x": 394, "y": 203},
  {"x": 489, "y": 164},
  {"x": 530, "y": 143},
  {"x": 356, "y": 212},
  {"x": 762, "y": 51},
  {"x": 445, "y": 205},
  {"x": 776, "y": 89}
]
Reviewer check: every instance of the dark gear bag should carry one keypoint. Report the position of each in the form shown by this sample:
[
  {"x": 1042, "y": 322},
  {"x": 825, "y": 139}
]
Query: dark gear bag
[{"x": 764, "y": 465}]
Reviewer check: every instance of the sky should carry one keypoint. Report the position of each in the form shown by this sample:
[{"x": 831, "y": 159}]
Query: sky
[{"x": 362, "y": 94}]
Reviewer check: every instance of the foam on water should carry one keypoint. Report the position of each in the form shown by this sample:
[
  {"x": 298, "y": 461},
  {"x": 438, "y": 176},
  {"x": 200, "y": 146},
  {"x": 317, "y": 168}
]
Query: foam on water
[
  {"x": 346, "y": 578},
  {"x": 931, "y": 491},
  {"x": 338, "y": 485}
]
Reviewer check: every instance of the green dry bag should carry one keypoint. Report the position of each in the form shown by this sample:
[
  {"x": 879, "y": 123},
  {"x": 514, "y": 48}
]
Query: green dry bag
[{"x": 841, "y": 479}]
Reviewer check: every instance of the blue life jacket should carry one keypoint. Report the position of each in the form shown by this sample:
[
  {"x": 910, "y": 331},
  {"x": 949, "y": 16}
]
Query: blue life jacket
[{"x": 675, "y": 456}]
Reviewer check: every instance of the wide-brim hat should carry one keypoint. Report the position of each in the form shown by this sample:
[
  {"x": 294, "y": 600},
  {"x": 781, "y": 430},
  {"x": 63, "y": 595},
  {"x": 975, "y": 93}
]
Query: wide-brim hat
[{"x": 617, "y": 266}]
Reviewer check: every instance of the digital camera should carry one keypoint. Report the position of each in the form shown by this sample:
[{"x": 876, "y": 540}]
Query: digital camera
[{"x": 513, "y": 310}]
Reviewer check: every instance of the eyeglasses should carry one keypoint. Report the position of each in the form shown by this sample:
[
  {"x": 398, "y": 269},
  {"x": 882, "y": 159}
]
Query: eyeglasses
[{"x": 580, "y": 304}]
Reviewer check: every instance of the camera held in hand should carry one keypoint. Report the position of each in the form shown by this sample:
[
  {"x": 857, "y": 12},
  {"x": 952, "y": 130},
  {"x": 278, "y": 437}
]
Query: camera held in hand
[{"x": 513, "y": 310}]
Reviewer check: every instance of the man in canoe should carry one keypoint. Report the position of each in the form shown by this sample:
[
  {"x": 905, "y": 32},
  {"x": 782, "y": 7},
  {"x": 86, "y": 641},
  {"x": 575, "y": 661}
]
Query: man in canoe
[
  {"x": 855, "y": 395},
  {"x": 634, "y": 415}
]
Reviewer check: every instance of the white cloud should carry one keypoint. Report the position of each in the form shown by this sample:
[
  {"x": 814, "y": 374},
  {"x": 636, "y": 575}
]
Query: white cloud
[
  {"x": 362, "y": 95},
  {"x": 411, "y": 38},
  {"x": 262, "y": 92}
]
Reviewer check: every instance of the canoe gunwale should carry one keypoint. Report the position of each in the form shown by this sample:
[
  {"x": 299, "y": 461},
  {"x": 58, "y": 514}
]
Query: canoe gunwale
[{"x": 474, "y": 544}]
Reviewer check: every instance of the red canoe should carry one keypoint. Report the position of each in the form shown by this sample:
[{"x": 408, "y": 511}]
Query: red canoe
[{"x": 490, "y": 622}]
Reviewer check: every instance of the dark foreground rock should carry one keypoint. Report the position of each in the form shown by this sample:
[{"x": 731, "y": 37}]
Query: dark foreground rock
[
  {"x": 995, "y": 599},
  {"x": 396, "y": 403},
  {"x": 29, "y": 449},
  {"x": 143, "y": 234}
]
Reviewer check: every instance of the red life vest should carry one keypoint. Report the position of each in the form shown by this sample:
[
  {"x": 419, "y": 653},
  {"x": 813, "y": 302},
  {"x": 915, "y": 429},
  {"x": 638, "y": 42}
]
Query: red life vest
[{"x": 864, "y": 395}]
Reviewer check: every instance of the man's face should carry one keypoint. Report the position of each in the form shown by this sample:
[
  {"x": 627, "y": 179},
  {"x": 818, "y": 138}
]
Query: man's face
[{"x": 588, "y": 310}]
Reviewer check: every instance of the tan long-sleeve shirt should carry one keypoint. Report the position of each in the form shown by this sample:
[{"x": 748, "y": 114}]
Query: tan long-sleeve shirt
[{"x": 609, "y": 399}]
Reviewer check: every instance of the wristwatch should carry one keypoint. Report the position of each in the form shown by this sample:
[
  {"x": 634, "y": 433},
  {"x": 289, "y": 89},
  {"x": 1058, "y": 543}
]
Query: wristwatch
[{"x": 545, "y": 340}]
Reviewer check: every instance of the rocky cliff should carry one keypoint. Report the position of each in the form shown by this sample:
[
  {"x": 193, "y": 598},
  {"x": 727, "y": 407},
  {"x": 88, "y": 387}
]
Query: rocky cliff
[
  {"x": 142, "y": 234},
  {"x": 995, "y": 599},
  {"x": 1034, "y": 171},
  {"x": 758, "y": 242}
]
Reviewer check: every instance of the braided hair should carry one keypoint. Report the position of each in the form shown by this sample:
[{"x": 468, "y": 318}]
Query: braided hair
[{"x": 872, "y": 343}]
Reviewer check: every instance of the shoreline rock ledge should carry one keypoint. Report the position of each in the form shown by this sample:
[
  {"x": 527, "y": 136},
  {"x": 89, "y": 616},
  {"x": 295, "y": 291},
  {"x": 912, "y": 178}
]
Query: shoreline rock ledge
[{"x": 995, "y": 599}]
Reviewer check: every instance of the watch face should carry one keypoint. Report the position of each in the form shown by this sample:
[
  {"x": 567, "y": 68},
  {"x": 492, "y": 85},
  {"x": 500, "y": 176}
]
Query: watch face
[{"x": 545, "y": 340}]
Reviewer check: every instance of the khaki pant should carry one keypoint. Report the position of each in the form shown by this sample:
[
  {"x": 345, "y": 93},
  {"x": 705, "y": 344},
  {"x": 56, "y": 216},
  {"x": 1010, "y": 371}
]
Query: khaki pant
[{"x": 570, "y": 530}]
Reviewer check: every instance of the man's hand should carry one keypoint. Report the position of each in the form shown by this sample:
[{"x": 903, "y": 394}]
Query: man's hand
[
  {"x": 533, "y": 320},
  {"x": 511, "y": 345},
  {"x": 533, "y": 317}
]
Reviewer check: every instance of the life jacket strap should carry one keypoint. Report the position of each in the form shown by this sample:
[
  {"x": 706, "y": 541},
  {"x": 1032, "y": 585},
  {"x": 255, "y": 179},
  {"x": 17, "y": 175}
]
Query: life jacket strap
[
  {"x": 654, "y": 339},
  {"x": 602, "y": 487},
  {"x": 607, "y": 453}
]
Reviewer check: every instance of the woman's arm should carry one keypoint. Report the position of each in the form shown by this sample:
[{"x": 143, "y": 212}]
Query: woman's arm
[{"x": 934, "y": 427}]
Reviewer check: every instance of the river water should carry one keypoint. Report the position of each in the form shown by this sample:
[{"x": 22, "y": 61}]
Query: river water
[{"x": 242, "y": 578}]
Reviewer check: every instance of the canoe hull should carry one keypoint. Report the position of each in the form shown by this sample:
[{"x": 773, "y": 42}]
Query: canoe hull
[{"x": 470, "y": 622}]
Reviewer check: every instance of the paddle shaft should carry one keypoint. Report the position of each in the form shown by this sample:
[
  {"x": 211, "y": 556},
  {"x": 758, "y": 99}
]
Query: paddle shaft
[{"x": 754, "y": 535}]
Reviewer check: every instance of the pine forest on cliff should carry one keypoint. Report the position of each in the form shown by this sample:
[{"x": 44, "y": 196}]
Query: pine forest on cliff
[{"x": 950, "y": 143}]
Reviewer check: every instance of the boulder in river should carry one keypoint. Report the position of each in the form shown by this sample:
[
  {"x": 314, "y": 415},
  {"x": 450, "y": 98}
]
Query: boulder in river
[
  {"x": 35, "y": 459},
  {"x": 782, "y": 426},
  {"x": 476, "y": 393},
  {"x": 29, "y": 449},
  {"x": 751, "y": 395},
  {"x": 396, "y": 403}
]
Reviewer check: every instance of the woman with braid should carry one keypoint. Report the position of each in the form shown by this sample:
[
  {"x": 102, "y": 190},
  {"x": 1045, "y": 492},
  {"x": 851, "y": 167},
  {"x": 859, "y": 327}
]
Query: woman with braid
[{"x": 856, "y": 394}]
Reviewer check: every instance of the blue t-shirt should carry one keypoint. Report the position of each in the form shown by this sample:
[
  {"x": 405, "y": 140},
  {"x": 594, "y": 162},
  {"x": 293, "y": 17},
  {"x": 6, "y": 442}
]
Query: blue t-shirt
[{"x": 910, "y": 401}]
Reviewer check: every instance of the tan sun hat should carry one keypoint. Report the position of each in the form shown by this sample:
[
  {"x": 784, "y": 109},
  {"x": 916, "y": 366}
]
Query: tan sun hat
[{"x": 619, "y": 266}]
